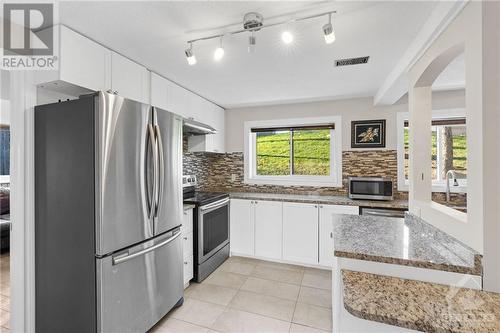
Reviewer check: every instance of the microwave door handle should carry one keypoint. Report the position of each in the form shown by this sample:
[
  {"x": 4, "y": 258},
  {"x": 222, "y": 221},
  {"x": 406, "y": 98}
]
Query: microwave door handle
[{"x": 161, "y": 169}]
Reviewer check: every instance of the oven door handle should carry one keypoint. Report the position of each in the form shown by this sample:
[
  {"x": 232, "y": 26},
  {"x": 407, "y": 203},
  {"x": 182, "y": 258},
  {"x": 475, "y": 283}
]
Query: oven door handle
[{"x": 214, "y": 205}]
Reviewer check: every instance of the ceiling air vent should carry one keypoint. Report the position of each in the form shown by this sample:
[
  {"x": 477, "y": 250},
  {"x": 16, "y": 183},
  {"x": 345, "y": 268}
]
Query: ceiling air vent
[{"x": 351, "y": 61}]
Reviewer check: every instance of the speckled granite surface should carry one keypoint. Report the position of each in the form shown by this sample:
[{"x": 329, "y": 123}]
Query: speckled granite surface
[
  {"x": 188, "y": 206},
  {"x": 422, "y": 306},
  {"x": 409, "y": 241},
  {"x": 319, "y": 199}
]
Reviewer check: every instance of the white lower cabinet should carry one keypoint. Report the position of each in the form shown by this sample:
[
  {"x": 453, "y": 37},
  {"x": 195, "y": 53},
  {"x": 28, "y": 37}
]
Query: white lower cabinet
[
  {"x": 268, "y": 229},
  {"x": 326, "y": 230},
  {"x": 187, "y": 245},
  {"x": 286, "y": 231},
  {"x": 242, "y": 227},
  {"x": 300, "y": 232}
]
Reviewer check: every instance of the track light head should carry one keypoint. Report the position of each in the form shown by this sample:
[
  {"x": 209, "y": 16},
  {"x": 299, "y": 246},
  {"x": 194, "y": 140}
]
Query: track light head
[
  {"x": 252, "y": 41},
  {"x": 191, "y": 59},
  {"x": 287, "y": 37},
  {"x": 328, "y": 32},
  {"x": 219, "y": 52}
]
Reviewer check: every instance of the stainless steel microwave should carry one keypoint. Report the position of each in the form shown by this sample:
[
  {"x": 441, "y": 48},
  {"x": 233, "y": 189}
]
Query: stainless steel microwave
[{"x": 372, "y": 188}]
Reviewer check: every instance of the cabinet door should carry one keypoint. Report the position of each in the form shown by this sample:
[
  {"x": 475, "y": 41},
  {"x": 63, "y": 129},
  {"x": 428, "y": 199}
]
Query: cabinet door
[
  {"x": 300, "y": 232},
  {"x": 219, "y": 143},
  {"x": 84, "y": 62},
  {"x": 176, "y": 99},
  {"x": 159, "y": 88},
  {"x": 242, "y": 227},
  {"x": 326, "y": 213},
  {"x": 129, "y": 79},
  {"x": 268, "y": 229}
]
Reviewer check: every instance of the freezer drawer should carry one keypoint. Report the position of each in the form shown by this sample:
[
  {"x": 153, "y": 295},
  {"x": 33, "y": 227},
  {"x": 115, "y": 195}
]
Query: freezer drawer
[{"x": 138, "y": 286}]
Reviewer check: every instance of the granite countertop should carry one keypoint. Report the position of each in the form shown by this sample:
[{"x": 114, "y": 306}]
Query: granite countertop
[
  {"x": 319, "y": 199},
  {"x": 188, "y": 206},
  {"x": 417, "y": 305},
  {"x": 409, "y": 241}
]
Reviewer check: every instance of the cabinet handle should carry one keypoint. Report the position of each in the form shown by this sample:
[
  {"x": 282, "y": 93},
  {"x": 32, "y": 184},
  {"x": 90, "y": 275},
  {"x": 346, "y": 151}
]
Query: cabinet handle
[
  {"x": 315, "y": 206},
  {"x": 251, "y": 202},
  {"x": 256, "y": 202},
  {"x": 331, "y": 234},
  {"x": 185, "y": 262},
  {"x": 185, "y": 238}
]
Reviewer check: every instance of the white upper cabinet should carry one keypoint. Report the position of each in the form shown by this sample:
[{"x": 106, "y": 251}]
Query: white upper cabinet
[
  {"x": 242, "y": 227},
  {"x": 129, "y": 79},
  {"x": 268, "y": 229},
  {"x": 83, "y": 62},
  {"x": 326, "y": 213},
  {"x": 215, "y": 143},
  {"x": 159, "y": 92},
  {"x": 300, "y": 232}
]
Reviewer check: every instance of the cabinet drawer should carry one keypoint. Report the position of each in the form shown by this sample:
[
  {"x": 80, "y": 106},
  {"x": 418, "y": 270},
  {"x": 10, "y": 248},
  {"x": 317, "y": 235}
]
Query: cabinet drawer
[
  {"x": 187, "y": 244},
  {"x": 187, "y": 221}
]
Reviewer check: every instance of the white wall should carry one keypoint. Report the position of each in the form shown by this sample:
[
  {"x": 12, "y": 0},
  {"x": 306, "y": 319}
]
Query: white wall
[
  {"x": 491, "y": 162},
  {"x": 477, "y": 32},
  {"x": 349, "y": 109}
]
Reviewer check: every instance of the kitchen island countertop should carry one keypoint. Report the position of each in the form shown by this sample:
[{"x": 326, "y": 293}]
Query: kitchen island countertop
[
  {"x": 422, "y": 306},
  {"x": 409, "y": 242}
]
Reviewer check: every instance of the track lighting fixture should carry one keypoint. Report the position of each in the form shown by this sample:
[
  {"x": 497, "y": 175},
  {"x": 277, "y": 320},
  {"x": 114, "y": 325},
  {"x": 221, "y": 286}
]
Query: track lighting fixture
[
  {"x": 254, "y": 22},
  {"x": 251, "y": 43},
  {"x": 191, "y": 59},
  {"x": 219, "y": 52},
  {"x": 328, "y": 31}
]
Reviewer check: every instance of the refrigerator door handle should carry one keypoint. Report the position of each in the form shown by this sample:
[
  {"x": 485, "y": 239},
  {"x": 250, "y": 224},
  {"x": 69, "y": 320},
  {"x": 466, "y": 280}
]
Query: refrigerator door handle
[
  {"x": 126, "y": 257},
  {"x": 153, "y": 203},
  {"x": 161, "y": 169}
]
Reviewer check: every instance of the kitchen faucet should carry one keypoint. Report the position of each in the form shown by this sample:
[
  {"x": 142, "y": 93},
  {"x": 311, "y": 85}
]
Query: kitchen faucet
[{"x": 455, "y": 182}]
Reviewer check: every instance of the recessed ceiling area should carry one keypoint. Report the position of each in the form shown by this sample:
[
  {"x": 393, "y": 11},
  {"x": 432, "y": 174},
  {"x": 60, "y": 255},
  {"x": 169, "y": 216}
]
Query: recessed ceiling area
[
  {"x": 155, "y": 34},
  {"x": 453, "y": 76}
]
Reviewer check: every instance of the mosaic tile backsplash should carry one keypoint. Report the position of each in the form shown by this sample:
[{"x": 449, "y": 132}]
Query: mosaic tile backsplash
[{"x": 215, "y": 172}]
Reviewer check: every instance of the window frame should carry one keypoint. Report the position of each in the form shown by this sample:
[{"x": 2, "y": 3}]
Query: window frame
[
  {"x": 333, "y": 180},
  {"x": 438, "y": 185}
]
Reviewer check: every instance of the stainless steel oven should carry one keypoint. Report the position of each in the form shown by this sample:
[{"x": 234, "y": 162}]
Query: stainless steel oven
[
  {"x": 213, "y": 228},
  {"x": 372, "y": 188}
]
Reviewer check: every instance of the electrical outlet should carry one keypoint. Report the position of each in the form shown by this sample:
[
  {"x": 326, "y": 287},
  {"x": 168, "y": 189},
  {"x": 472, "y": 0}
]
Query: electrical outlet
[{"x": 233, "y": 177}]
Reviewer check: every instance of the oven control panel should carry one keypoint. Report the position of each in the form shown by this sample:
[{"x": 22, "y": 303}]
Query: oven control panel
[{"x": 189, "y": 180}]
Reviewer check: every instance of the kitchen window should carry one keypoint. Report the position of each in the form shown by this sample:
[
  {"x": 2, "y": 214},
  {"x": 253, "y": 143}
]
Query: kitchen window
[
  {"x": 449, "y": 151},
  {"x": 299, "y": 152}
]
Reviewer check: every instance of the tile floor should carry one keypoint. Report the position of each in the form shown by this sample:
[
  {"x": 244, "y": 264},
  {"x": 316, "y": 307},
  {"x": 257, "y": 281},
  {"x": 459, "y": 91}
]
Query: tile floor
[
  {"x": 248, "y": 295},
  {"x": 4, "y": 293},
  {"x": 242, "y": 295}
]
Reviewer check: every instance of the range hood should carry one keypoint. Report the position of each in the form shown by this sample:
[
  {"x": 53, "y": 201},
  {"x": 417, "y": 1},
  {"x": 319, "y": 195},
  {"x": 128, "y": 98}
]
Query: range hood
[{"x": 193, "y": 127}]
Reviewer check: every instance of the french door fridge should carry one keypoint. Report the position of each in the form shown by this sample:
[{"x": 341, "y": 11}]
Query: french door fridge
[{"x": 108, "y": 210}]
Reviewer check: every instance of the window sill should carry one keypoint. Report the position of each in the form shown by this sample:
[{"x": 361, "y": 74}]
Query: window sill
[{"x": 293, "y": 182}]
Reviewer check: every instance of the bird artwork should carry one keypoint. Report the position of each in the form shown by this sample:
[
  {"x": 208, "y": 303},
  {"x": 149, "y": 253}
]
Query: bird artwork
[{"x": 369, "y": 135}]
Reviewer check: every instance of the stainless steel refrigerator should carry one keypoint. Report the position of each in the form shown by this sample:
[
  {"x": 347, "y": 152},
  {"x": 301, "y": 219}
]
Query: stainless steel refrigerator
[{"x": 108, "y": 210}]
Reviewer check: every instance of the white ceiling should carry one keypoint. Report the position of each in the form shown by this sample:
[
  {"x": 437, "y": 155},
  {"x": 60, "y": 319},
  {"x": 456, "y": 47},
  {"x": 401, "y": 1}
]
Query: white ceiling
[{"x": 155, "y": 34}]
